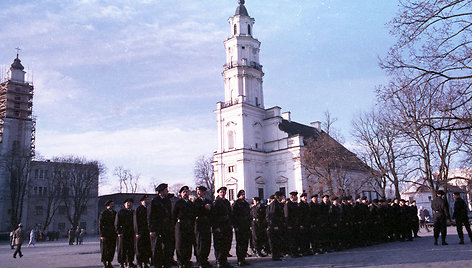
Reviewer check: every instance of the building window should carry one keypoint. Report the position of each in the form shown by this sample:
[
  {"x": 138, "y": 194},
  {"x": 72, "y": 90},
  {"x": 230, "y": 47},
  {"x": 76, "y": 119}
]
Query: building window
[
  {"x": 45, "y": 191},
  {"x": 36, "y": 173},
  {"x": 41, "y": 174},
  {"x": 230, "y": 194},
  {"x": 17, "y": 98},
  {"x": 249, "y": 29},
  {"x": 231, "y": 169},
  {"x": 260, "y": 192},
  {"x": 230, "y": 140},
  {"x": 282, "y": 189},
  {"x": 38, "y": 210},
  {"x": 257, "y": 102},
  {"x": 235, "y": 29},
  {"x": 257, "y": 145},
  {"x": 40, "y": 190},
  {"x": 61, "y": 226},
  {"x": 17, "y": 105},
  {"x": 35, "y": 190}
]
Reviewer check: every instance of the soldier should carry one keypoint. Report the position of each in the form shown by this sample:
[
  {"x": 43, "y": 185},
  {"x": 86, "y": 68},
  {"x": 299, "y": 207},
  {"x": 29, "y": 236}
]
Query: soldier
[
  {"x": 346, "y": 227},
  {"x": 305, "y": 225},
  {"x": 125, "y": 230},
  {"x": 106, "y": 223},
  {"x": 275, "y": 222},
  {"x": 184, "y": 219},
  {"x": 222, "y": 228},
  {"x": 461, "y": 217},
  {"x": 315, "y": 221},
  {"x": 441, "y": 214},
  {"x": 160, "y": 228},
  {"x": 258, "y": 226},
  {"x": 18, "y": 236},
  {"x": 202, "y": 227},
  {"x": 335, "y": 219},
  {"x": 242, "y": 225},
  {"x": 325, "y": 227},
  {"x": 141, "y": 229},
  {"x": 414, "y": 218},
  {"x": 292, "y": 223}
]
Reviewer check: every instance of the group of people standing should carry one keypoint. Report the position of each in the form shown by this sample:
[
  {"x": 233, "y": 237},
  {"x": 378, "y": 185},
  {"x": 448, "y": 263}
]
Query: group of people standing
[
  {"x": 75, "y": 235},
  {"x": 294, "y": 226}
]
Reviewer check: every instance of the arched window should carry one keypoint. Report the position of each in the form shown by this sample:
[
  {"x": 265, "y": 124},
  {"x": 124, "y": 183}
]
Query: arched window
[
  {"x": 249, "y": 29},
  {"x": 235, "y": 29},
  {"x": 230, "y": 140}
]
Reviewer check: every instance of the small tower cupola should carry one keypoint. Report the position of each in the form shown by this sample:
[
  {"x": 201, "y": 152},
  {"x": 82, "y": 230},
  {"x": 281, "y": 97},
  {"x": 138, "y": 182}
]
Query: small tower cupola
[
  {"x": 241, "y": 9},
  {"x": 16, "y": 72}
]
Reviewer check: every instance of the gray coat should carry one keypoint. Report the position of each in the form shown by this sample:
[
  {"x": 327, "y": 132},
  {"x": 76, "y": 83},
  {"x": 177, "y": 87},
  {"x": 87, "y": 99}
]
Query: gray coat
[{"x": 18, "y": 236}]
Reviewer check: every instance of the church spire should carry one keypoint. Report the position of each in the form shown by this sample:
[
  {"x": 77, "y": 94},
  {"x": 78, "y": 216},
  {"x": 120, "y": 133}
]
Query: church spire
[
  {"x": 241, "y": 9},
  {"x": 16, "y": 72}
]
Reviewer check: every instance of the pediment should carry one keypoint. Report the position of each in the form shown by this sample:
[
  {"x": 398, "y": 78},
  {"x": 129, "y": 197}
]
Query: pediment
[
  {"x": 260, "y": 180},
  {"x": 231, "y": 180},
  {"x": 257, "y": 124},
  {"x": 281, "y": 179},
  {"x": 231, "y": 123}
]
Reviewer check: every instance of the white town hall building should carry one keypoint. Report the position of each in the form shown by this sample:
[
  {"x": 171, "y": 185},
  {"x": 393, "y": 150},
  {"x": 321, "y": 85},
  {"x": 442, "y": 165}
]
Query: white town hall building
[{"x": 259, "y": 150}]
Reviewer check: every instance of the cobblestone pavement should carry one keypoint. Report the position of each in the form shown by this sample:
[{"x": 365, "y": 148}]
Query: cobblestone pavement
[{"x": 419, "y": 253}]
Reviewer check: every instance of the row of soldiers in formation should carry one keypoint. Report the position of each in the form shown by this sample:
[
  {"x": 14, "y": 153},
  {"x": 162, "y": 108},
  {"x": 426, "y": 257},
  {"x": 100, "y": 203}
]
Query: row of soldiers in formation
[{"x": 154, "y": 230}]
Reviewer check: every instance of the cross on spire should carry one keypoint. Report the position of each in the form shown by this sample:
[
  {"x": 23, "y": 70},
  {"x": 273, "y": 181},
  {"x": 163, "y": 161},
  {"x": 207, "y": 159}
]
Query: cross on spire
[{"x": 17, "y": 51}]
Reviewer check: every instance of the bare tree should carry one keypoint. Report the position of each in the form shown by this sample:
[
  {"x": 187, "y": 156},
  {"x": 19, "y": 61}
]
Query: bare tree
[
  {"x": 175, "y": 188},
  {"x": 53, "y": 195},
  {"x": 78, "y": 182},
  {"x": 128, "y": 180},
  {"x": 433, "y": 48},
  {"x": 383, "y": 149},
  {"x": 203, "y": 173},
  {"x": 18, "y": 166}
]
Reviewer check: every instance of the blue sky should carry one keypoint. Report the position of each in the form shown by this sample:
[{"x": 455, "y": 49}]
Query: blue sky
[{"x": 135, "y": 83}]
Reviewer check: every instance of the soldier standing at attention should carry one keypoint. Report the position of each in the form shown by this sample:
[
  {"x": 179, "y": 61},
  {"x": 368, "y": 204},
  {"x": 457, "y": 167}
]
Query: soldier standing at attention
[
  {"x": 242, "y": 225},
  {"x": 106, "y": 223},
  {"x": 222, "y": 227},
  {"x": 305, "y": 224},
  {"x": 202, "y": 227},
  {"x": 184, "y": 218},
  {"x": 461, "y": 217},
  {"x": 18, "y": 240},
  {"x": 258, "y": 226},
  {"x": 292, "y": 223},
  {"x": 125, "y": 230},
  {"x": 160, "y": 228},
  {"x": 141, "y": 229},
  {"x": 441, "y": 214},
  {"x": 275, "y": 220}
]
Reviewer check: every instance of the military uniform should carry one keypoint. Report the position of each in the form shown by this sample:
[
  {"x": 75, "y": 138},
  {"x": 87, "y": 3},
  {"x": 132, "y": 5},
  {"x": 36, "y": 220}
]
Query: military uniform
[
  {"x": 222, "y": 229},
  {"x": 106, "y": 225},
  {"x": 462, "y": 219},
  {"x": 259, "y": 226},
  {"x": 125, "y": 230},
  {"x": 143, "y": 240},
  {"x": 275, "y": 222},
  {"x": 305, "y": 225},
  {"x": 292, "y": 226},
  {"x": 160, "y": 223},
  {"x": 441, "y": 214},
  {"x": 202, "y": 231},
  {"x": 184, "y": 218},
  {"x": 242, "y": 225},
  {"x": 316, "y": 226}
]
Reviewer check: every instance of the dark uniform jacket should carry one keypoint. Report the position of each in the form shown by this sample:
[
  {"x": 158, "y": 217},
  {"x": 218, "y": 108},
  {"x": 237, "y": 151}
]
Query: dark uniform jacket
[
  {"x": 106, "y": 223},
  {"x": 140, "y": 221},
  {"x": 160, "y": 215},
  {"x": 460, "y": 210},
  {"x": 221, "y": 213},
  {"x": 124, "y": 222},
  {"x": 304, "y": 214},
  {"x": 291, "y": 214},
  {"x": 184, "y": 213},
  {"x": 202, "y": 220},
  {"x": 440, "y": 208},
  {"x": 275, "y": 215},
  {"x": 241, "y": 215}
]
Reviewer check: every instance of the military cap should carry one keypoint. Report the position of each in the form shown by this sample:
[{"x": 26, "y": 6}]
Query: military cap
[
  {"x": 128, "y": 200},
  {"x": 345, "y": 198},
  {"x": 184, "y": 188},
  {"x": 202, "y": 188},
  {"x": 382, "y": 200},
  {"x": 20, "y": 225},
  {"x": 375, "y": 200},
  {"x": 294, "y": 193},
  {"x": 258, "y": 199},
  {"x": 315, "y": 195},
  {"x": 358, "y": 197},
  {"x": 107, "y": 203},
  {"x": 241, "y": 192},
  {"x": 440, "y": 192},
  {"x": 161, "y": 187},
  {"x": 278, "y": 193},
  {"x": 304, "y": 194},
  {"x": 334, "y": 198},
  {"x": 144, "y": 197},
  {"x": 402, "y": 200},
  {"x": 325, "y": 196},
  {"x": 364, "y": 198},
  {"x": 222, "y": 188},
  {"x": 272, "y": 196}
]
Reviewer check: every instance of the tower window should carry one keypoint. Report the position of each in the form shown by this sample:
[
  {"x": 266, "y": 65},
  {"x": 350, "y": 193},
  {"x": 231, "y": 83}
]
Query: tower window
[
  {"x": 249, "y": 29},
  {"x": 243, "y": 47},
  {"x": 261, "y": 193},
  {"x": 231, "y": 194},
  {"x": 257, "y": 102},
  {"x": 235, "y": 29},
  {"x": 231, "y": 169},
  {"x": 230, "y": 140}
]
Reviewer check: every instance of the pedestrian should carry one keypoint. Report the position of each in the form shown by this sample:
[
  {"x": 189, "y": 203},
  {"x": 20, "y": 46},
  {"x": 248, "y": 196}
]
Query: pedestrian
[
  {"x": 441, "y": 215},
  {"x": 184, "y": 219},
  {"x": 422, "y": 212},
  {"x": 275, "y": 220},
  {"x": 414, "y": 219},
  {"x": 77, "y": 235},
  {"x": 125, "y": 230},
  {"x": 70, "y": 234},
  {"x": 81, "y": 236},
  {"x": 160, "y": 228},
  {"x": 12, "y": 246},
  {"x": 32, "y": 238},
  {"x": 461, "y": 217},
  {"x": 222, "y": 227},
  {"x": 18, "y": 240},
  {"x": 141, "y": 230},
  {"x": 106, "y": 227},
  {"x": 242, "y": 226}
]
